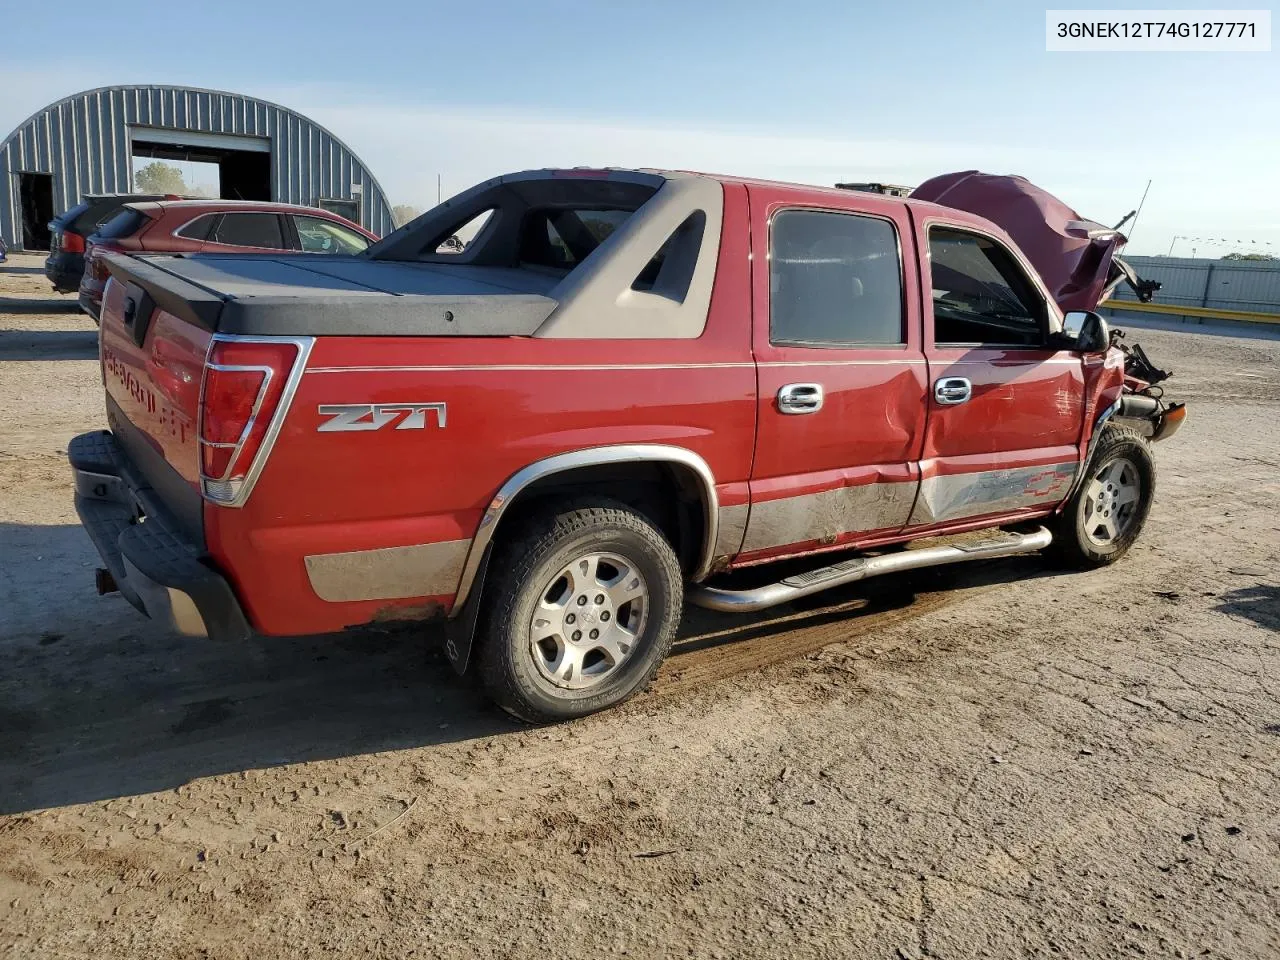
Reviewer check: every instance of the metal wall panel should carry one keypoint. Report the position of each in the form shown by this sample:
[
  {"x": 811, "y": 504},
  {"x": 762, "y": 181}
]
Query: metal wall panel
[
  {"x": 84, "y": 142},
  {"x": 1252, "y": 286}
]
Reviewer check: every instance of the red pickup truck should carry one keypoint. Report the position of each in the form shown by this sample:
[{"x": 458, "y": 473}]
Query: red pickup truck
[{"x": 624, "y": 387}]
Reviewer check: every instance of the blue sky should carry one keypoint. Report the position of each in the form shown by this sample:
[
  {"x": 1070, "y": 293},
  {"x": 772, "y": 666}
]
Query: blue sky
[{"x": 808, "y": 91}]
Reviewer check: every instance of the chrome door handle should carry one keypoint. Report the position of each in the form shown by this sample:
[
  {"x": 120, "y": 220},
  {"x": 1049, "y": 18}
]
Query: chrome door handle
[
  {"x": 952, "y": 390},
  {"x": 800, "y": 398}
]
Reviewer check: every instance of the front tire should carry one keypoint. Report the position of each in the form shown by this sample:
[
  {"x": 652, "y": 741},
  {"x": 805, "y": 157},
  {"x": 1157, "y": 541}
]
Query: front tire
[
  {"x": 1106, "y": 514},
  {"x": 581, "y": 608}
]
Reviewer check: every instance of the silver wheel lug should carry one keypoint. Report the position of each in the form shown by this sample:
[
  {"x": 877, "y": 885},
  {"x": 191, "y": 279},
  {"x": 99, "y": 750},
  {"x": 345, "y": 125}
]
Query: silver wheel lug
[
  {"x": 577, "y": 635},
  {"x": 582, "y": 601},
  {"x": 604, "y": 616},
  {"x": 570, "y": 618},
  {"x": 599, "y": 598},
  {"x": 594, "y": 634}
]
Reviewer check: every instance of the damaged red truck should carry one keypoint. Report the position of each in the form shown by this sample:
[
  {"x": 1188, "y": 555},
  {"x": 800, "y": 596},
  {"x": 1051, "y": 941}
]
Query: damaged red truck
[{"x": 627, "y": 386}]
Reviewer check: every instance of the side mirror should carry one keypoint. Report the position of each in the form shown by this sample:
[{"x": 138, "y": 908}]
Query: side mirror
[{"x": 1088, "y": 330}]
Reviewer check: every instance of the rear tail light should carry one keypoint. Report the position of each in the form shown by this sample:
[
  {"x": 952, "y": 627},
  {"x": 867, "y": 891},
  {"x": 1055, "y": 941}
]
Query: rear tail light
[
  {"x": 248, "y": 384},
  {"x": 72, "y": 242},
  {"x": 97, "y": 268}
]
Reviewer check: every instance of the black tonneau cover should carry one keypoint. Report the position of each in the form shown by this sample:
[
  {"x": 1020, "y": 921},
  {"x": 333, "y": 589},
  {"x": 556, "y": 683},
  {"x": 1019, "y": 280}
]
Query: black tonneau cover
[{"x": 323, "y": 295}]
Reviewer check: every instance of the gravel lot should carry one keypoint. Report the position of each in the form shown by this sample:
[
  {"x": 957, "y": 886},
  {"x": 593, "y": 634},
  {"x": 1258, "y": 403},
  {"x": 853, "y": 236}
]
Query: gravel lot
[{"x": 995, "y": 760}]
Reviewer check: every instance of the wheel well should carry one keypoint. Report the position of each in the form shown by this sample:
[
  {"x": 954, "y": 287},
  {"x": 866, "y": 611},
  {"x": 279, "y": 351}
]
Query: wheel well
[{"x": 668, "y": 494}]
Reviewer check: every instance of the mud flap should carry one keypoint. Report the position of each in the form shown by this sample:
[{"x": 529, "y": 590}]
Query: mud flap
[{"x": 460, "y": 630}]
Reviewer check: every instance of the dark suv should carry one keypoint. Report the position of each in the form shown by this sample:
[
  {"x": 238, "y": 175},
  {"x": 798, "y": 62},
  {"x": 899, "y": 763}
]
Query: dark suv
[{"x": 69, "y": 230}]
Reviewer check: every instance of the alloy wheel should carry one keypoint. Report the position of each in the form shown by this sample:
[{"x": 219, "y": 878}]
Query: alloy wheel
[
  {"x": 1111, "y": 502},
  {"x": 588, "y": 620}
]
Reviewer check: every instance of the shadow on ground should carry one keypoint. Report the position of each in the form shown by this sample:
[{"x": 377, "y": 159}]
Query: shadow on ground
[
  {"x": 98, "y": 702},
  {"x": 39, "y": 305},
  {"x": 48, "y": 344},
  {"x": 1259, "y": 603}
]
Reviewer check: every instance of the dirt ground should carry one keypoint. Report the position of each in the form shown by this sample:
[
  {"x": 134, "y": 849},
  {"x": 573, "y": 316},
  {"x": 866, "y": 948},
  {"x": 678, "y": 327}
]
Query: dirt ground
[{"x": 996, "y": 760}]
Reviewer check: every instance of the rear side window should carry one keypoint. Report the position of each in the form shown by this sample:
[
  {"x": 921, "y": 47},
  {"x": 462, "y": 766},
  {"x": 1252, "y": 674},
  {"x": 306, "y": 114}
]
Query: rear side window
[
  {"x": 124, "y": 224},
  {"x": 197, "y": 229},
  {"x": 324, "y": 236},
  {"x": 670, "y": 271},
  {"x": 562, "y": 239},
  {"x": 835, "y": 279},
  {"x": 249, "y": 230}
]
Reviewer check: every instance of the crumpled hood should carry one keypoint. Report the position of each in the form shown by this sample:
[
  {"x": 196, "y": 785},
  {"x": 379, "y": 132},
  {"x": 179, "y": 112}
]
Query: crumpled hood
[{"x": 1075, "y": 257}]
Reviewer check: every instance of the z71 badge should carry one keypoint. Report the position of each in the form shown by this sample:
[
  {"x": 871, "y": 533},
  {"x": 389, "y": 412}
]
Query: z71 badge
[{"x": 375, "y": 416}]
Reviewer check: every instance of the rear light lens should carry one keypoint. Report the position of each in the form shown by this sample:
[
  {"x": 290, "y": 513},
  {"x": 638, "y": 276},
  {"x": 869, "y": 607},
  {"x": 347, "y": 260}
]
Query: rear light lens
[
  {"x": 97, "y": 268},
  {"x": 244, "y": 383},
  {"x": 71, "y": 242}
]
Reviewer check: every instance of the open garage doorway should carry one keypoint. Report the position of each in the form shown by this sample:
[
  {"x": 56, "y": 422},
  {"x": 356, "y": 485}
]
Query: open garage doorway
[
  {"x": 229, "y": 167},
  {"x": 35, "y": 201}
]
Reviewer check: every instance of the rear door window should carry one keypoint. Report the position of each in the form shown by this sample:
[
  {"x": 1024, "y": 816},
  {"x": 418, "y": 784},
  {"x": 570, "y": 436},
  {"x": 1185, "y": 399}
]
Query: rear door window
[
  {"x": 835, "y": 279},
  {"x": 316, "y": 235},
  {"x": 249, "y": 230}
]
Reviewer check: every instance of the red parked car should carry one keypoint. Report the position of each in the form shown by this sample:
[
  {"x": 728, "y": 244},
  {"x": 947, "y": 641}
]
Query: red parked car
[
  {"x": 69, "y": 230},
  {"x": 625, "y": 387},
  {"x": 214, "y": 226}
]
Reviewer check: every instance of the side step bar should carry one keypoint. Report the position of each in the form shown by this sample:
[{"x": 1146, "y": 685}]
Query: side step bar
[{"x": 859, "y": 568}]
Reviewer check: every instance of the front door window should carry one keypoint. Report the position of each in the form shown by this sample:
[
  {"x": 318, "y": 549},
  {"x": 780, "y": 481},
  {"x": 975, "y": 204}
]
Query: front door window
[{"x": 981, "y": 297}]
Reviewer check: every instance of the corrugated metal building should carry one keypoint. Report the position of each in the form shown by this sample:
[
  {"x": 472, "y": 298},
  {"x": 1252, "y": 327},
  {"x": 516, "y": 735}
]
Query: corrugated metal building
[
  {"x": 85, "y": 144},
  {"x": 1248, "y": 285}
]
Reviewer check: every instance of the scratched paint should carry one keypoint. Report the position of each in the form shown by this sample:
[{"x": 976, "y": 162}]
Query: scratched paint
[
  {"x": 990, "y": 491},
  {"x": 826, "y": 515}
]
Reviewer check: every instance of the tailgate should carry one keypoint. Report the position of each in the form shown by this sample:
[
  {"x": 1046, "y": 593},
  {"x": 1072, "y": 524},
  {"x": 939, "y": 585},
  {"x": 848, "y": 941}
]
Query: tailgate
[{"x": 152, "y": 363}]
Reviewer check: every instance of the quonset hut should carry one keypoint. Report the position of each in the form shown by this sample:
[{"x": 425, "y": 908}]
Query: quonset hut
[{"x": 92, "y": 143}]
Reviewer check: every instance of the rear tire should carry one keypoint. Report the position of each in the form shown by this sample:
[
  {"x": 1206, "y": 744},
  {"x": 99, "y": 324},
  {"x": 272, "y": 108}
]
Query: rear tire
[
  {"x": 581, "y": 608},
  {"x": 1106, "y": 514}
]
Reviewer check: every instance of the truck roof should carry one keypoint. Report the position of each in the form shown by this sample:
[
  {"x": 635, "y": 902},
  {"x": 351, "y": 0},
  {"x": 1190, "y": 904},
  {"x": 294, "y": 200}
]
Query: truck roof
[
  {"x": 801, "y": 192},
  {"x": 840, "y": 195}
]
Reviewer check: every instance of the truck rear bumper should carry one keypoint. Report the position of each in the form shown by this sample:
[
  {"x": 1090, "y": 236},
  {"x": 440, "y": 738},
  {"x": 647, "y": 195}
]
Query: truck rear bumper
[{"x": 155, "y": 568}]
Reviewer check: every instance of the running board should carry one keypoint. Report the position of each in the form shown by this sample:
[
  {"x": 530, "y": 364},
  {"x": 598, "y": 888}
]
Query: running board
[{"x": 859, "y": 568}]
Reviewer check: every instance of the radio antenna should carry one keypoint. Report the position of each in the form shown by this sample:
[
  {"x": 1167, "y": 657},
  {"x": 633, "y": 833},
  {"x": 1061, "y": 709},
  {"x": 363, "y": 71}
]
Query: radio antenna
[{"x": 1137, "y": 213}]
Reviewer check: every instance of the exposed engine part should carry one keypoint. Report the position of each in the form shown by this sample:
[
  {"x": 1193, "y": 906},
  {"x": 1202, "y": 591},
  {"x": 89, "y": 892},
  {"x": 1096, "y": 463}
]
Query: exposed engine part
[
  {"x": 1137, "y": 365},
  {"x": 1138, "y": 405}
]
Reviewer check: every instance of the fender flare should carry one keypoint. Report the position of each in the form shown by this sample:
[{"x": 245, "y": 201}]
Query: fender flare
[
  {"x": 460, "y": 628},
  {"x": 1098, "y": 424}
]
